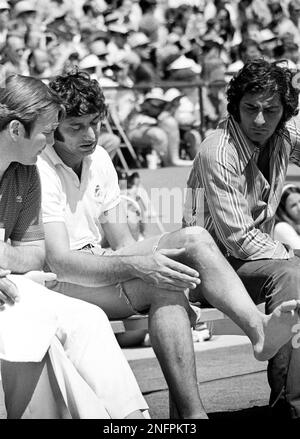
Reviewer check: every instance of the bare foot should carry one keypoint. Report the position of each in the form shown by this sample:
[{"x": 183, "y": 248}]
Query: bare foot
[{"x": 277, "y": 329}]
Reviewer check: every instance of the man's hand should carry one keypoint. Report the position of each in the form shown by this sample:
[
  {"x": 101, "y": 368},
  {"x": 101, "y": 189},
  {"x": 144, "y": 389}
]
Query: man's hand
[
  {"x": 8, "y": 290},
  {"x": 161, "y": 270}
]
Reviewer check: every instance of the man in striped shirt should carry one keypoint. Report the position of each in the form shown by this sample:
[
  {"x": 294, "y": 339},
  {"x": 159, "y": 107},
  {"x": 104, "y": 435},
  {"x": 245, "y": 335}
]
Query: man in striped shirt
[{"x": 241, "y": 169}]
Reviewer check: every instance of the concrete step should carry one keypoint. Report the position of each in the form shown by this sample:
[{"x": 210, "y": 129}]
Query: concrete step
[{"x": 221, "y": 357}]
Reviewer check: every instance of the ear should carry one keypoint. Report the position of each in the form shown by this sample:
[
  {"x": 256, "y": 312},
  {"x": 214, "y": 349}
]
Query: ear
[{"x": 16, "y": 129}]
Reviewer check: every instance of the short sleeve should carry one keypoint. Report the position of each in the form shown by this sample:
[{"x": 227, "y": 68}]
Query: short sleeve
[
  {"x": 29, "y": 226},
  {"x": 112, "y": 189}
]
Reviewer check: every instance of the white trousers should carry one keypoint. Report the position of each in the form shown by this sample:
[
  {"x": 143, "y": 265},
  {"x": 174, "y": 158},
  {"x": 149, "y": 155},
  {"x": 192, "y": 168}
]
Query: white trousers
[{"x": 84, "y": 373}]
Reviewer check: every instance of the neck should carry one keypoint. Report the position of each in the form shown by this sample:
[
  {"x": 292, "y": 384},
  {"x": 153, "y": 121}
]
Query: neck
[
  {"x": 6, "y": 155},
  {"x": 69, "y": 159}
]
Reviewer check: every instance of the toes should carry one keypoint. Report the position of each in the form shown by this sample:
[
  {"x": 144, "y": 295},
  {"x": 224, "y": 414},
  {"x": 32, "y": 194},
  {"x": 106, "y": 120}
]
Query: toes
[{"x": 290, "y": 305}]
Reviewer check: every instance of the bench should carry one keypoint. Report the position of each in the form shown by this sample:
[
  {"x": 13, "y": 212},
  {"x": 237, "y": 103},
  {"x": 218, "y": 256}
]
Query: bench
[{"x": 137, "y": 323}]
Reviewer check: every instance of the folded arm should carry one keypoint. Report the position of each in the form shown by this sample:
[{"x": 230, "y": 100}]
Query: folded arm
[{"x": 230, "y": 210}]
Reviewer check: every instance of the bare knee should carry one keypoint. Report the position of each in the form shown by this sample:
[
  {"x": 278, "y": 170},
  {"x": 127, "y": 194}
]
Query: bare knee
[
  {"x": 196, "y": 236},
  {"x": 162, "y": 298}
]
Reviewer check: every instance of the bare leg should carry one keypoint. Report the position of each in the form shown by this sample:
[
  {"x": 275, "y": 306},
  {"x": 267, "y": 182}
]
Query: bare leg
[
  {"x": 170, "y": 126},
  {"x": 223, "y": 289},
  {"x": 170, "y": 332}
]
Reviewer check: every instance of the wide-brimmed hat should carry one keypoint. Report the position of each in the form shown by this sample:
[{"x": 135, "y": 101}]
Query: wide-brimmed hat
[
  {"x": 24, "y": 6},
  {"x": 4, "y": 5},
  {"x": 138, "y": 39},
  {"x": 156, "y": 93},
  {"x": 172, "y": 93},
  {"x": 184, "y": 63},
  {"x": 120, "y": 29},
  {"x": 90, "y": 61}
]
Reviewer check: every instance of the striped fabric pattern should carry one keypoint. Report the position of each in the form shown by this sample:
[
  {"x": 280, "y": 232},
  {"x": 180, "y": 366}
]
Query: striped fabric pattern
[{"x": 239, "y": 204}]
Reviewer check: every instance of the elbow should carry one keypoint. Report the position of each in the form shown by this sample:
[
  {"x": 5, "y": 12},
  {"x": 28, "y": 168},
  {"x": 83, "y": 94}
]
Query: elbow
[{"x": 55, "y": 264}]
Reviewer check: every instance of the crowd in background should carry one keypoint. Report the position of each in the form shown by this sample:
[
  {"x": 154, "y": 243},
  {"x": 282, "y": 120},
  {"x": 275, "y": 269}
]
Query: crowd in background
[{"x": 150, "y": 43}]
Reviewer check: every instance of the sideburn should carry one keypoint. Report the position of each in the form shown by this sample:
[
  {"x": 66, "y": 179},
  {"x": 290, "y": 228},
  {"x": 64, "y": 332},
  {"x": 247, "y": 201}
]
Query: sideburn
[{"x": 58, "y": 136}]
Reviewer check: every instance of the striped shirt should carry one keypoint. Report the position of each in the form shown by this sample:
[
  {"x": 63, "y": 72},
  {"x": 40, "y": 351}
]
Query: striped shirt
[
  {"x": 229, "y": 195},
  {"x": 20, "y": 204}
]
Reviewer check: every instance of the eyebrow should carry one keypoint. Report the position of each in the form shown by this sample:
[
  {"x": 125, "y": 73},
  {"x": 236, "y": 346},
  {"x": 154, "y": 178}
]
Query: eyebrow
[{"x": 256, "y": 106}]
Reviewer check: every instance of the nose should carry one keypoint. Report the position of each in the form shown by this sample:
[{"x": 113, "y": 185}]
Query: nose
[
  {"x": 259, "y": 120},
  {"x": 90, "y": 135}
]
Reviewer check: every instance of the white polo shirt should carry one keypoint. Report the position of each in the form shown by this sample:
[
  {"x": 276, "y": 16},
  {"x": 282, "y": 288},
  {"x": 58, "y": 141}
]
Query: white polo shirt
[{"x": 80, "y": 204}]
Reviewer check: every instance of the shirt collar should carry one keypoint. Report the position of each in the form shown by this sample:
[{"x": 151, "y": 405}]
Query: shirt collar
[
  {"x": 52, "y": 156},
  {"x": 246, "y": 149}
]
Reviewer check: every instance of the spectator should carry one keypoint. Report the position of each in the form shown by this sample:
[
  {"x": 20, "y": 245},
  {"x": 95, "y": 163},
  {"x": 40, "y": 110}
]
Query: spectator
[
  {"x": 118, "y": 47},
  {"x": 25, "y": 13},
  {"x": 143, "y": 127},
  {"x": 213, "y": 94},
  {"x": 247, "y": 51},
  {"x": 4, "y": 22},
  {"x": 15, "y": 56},
  {"x": 190, "y": 138},
  {"x": 38, "y": 62},
  {"x": 144, "y": 71},
  {"x": 287, "y": 226}
]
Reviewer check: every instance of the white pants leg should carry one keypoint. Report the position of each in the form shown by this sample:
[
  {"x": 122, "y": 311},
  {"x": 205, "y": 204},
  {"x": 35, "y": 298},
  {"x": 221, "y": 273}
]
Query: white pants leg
[{"x": 84, "y": 354}]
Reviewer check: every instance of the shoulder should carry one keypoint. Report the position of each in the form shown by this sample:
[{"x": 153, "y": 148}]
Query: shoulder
[
  {"x": 24, "y": 174},
  {"x": 218, "y": 146},
  {"x": 45, "y": 165},
  {"x": 101, "y": 162}
]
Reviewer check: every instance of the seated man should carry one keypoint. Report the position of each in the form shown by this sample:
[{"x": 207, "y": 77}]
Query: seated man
[
  {"x": 80, "y": 191},
  {"x": 150, "y": 128},
  {"x": 93, "y": 377},
  {"x": 242, "y": 167}
]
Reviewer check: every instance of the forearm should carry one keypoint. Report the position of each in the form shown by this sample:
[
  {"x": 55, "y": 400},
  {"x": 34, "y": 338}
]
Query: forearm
[
  {"x": 21, "y": 258},
  {"x": 92, "y": 270}
]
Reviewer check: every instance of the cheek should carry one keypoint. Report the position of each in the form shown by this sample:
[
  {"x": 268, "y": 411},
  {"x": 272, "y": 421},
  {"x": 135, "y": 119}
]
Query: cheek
[{"x": 39, "y": 140}]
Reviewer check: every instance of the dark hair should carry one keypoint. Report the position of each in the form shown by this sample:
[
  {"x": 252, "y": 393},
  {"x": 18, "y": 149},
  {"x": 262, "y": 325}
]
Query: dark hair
[
  {"x": 281, "y": 213},
  {"x": 24, "y": 99},
  {"x": 259, "y": 76},
  {"x": 80, "y": 94}
]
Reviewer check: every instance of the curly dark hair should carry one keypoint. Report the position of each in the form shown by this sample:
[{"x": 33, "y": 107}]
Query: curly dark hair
[
  {"x": 261, "y": 76},
  {"x": 80, "y": 94}
]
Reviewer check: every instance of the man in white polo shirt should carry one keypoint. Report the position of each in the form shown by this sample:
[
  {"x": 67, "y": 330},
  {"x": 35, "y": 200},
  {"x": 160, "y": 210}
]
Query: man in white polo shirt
[
  {"x": 88, "y": 376},
  {"x": 79, "y": 193}
]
